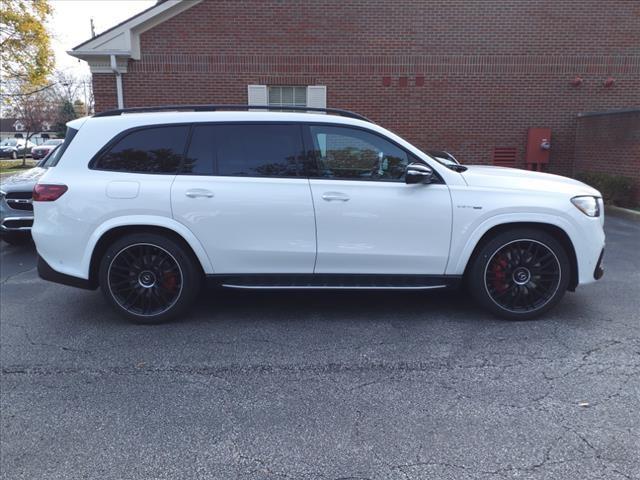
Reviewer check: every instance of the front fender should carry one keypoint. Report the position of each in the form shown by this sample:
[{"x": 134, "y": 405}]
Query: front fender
[{"x": 461, "y": 254}]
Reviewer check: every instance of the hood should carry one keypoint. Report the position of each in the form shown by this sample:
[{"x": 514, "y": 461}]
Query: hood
[
  {"x": 45, "y": 147},
  {"x": 517, "y": 179},
  {"x": 22, "y": 181}
]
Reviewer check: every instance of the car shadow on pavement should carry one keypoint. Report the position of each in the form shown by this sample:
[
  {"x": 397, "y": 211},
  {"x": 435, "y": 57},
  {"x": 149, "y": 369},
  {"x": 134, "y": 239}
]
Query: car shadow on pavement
[{"x": 335, "y": 305}]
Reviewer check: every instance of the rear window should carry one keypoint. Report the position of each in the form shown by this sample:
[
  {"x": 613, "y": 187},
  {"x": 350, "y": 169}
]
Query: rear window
[
  {"x": 68, "y": 138},
  {"x": 51, "y": 159},
  {"x": 149, "y": 150},
  {"x": 252, "y": 150}
]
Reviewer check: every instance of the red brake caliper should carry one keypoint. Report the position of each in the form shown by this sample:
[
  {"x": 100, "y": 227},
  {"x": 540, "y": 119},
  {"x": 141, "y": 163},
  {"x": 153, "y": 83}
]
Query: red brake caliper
[
  {"x": 170, "y": 281},
  {"x": 499, "y": 274}
]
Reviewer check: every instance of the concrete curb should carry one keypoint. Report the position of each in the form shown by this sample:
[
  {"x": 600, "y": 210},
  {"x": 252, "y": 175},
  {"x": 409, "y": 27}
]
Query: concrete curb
[{"x": 620, "y": 212}]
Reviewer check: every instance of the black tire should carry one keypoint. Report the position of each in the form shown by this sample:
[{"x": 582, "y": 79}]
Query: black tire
[
  {"x": 519, "y": 274},
  {"x": 149, "y": 278},
  {"x": 16, "y": 238}
]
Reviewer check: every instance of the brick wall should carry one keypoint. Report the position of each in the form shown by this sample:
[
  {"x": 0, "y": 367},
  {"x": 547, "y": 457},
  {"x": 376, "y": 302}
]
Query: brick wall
[
  {"x": 104, "y": 91},
  {"x": 462, "y": 75},
  {"x": 609, "y": 143}
]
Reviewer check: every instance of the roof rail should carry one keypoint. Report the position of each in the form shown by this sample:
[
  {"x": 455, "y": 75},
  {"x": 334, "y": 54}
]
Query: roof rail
[{"x": 214, "y": 108}]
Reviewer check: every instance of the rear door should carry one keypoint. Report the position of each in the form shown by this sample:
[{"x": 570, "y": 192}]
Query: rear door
[
  {"x": 369, "y": 221},
  {"x": 242, "y": 194}
]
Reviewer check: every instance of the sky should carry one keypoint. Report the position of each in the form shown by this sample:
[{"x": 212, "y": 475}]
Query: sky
[{"x": 70, "y": 25}]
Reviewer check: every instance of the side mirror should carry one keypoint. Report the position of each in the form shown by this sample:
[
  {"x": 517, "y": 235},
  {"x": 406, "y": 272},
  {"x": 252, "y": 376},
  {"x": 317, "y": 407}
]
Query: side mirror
[{"x": 418, "y": 173}]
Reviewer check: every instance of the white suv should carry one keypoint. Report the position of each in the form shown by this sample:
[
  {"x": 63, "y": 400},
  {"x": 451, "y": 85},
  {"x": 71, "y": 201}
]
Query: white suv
[{"x": 147, "y": 204}]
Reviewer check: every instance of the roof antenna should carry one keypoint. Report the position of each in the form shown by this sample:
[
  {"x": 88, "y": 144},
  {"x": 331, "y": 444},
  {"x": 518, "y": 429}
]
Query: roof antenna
[{"x": 93, "y": 28}]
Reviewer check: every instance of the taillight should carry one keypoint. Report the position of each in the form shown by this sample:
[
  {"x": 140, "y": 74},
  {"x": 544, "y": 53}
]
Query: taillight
[{"x": 48, "y": 193}]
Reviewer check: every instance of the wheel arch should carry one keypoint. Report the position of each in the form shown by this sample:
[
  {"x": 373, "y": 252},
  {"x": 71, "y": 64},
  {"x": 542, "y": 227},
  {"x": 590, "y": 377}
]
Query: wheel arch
[
  {"x": 111, "y": 234},
  {"x": 554, "y": 230}
]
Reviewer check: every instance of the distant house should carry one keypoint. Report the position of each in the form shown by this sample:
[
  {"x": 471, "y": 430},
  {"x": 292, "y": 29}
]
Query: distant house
[{"x": 14, "y": 128}]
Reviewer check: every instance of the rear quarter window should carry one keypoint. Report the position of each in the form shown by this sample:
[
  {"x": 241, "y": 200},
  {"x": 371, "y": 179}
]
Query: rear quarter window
[
  {"x": 147, "y": 150},
  {"x": 68, "y": 138}
]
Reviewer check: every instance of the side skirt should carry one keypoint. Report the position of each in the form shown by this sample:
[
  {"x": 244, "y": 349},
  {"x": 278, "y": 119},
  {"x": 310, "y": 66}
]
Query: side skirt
[{"x": 335, "y": 281}]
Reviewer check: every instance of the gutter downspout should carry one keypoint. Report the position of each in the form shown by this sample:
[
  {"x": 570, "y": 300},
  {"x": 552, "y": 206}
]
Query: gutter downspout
[{"x": 114, "y": 67}]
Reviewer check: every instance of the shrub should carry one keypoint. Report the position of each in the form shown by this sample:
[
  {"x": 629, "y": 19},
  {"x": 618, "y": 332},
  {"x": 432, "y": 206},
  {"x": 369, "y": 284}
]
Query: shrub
[{"x": 616, "y": 189}]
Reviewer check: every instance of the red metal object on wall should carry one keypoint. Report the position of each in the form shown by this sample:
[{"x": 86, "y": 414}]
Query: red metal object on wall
[{"x": 538, "y": 148}]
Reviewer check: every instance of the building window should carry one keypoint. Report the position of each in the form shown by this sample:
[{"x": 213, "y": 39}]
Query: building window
[{"x": 288, "y": 96}]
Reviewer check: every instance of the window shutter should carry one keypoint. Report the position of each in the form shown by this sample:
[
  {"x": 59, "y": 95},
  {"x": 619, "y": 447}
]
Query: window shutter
[
  {"x": 317, "y": 96},
  {"x": 257, "y": 94}
]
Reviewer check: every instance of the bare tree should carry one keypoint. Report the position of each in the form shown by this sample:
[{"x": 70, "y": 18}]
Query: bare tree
[{"x": 33, "y": 110}]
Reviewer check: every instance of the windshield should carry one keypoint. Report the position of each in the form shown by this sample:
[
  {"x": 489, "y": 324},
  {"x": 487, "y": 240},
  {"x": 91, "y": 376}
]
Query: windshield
[{"x": 9, "y": 142}]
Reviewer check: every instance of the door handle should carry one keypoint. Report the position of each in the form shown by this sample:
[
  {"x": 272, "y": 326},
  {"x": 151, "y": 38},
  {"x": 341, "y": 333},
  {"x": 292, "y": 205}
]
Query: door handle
[
  {"x": 335, "y": 196},
  {"x": 198, "y": 192}
]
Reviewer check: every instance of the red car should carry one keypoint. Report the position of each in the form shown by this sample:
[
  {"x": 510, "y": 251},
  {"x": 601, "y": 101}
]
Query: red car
[{"x": 43, "y": 150}]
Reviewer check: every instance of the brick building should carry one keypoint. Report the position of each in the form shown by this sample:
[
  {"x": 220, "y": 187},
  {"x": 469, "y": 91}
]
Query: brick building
[{"x": 469, "y": 76}]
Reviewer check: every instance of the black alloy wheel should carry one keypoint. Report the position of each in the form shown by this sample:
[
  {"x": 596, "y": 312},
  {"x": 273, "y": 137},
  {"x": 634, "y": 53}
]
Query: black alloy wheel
[
  {"x": 149, "y": 278},
  {"x": 145, "y": 279},
  {"x": 519, "y": 274},
  {"x": 522, "y": 276}
]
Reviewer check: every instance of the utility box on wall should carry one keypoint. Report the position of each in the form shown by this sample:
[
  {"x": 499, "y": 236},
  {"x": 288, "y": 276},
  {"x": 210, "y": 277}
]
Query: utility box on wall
[{"x": 538, "y": 148}]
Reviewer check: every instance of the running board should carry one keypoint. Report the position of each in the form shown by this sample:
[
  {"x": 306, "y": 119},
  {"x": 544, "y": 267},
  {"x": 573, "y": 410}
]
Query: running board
[{"x": 335, "y": 281}]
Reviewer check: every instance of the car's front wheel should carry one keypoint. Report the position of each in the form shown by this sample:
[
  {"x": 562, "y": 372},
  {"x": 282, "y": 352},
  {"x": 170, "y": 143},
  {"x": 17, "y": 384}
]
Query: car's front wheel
[
  {"x": 520, "y": 274},
  {"x": 149, "y": 278}
]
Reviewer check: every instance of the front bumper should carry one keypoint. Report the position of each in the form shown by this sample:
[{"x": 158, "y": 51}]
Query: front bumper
[
  {"x": 15, "y": 215},
  {"x": 12, "y": 224},
  {"x": 599, "y": 270}
]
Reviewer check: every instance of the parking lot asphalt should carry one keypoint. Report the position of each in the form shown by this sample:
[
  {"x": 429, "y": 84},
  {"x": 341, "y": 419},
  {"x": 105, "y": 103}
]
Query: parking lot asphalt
[{"x": 346, "y": 385}]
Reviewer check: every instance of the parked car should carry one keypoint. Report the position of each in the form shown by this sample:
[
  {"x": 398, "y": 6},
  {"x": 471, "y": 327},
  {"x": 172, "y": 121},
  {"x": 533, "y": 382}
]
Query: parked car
[
  {"x": 15, "y": 147},
  {"x": 149, "y": 204},
  {"x": 16, "y": 207},
  {"x": 40, "y": 151}
]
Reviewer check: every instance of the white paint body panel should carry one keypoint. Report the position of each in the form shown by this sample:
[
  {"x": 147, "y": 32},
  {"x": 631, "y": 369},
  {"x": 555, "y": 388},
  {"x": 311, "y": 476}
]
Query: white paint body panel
[
  {"x": 268, "y": 225},
  {"x": 250, "y": 225},
  {"x": 381, "y": 227},
  {"x": 508, "y": 195}
]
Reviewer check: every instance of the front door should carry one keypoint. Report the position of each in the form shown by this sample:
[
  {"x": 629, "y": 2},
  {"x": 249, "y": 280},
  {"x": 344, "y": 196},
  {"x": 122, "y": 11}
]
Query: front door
[
  {"x": 241, "y": 194},
  {"x": 368, "y": 220}
]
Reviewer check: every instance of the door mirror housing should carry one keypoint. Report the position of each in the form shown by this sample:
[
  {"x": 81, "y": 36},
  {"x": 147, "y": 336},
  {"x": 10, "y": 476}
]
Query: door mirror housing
[{"x": 418, "y": 173}]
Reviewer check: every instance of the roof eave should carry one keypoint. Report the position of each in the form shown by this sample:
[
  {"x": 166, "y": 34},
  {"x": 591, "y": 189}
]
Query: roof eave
[{"x": 123, "y": 39}]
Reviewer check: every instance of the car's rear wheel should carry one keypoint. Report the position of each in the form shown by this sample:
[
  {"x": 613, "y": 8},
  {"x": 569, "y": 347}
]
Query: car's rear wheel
[
  {"x": 520, "y": 274},
  {"x": 149, "y": 278}
]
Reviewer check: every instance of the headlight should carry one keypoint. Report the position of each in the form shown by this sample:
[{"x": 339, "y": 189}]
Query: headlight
[{"x": 587, "y": 205}]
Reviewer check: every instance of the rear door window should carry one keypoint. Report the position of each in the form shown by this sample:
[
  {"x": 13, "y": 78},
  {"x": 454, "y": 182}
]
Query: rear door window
[
  {"x": 251, "y": 150},
  {"x": 148, "y": 150}
]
